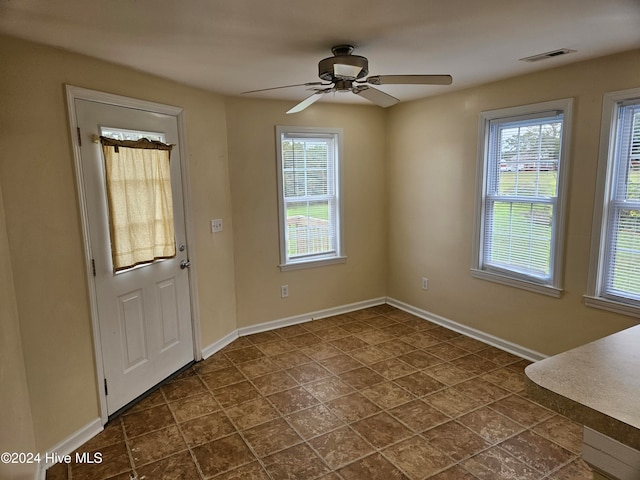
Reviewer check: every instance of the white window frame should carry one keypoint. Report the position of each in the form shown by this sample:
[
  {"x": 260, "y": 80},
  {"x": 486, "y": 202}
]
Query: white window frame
[
  {"x": 312, "y": 260},
  {"x": 552, "y": 285},
  {"x": 596, "y": 295}
]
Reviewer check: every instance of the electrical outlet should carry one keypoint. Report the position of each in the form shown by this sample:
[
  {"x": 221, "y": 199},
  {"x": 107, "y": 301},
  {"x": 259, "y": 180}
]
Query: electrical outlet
[
  {"x": 216, "y": 225},
  {"x": 284, "y": 291},
  {"x": 425, "y": 283}
]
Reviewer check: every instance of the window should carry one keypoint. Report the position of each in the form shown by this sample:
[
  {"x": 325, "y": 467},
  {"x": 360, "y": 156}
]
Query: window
[
  {"x": 614, "y": 280},
  {"x": 521, "y": 179},
  {"x": 309, "y": 196}
]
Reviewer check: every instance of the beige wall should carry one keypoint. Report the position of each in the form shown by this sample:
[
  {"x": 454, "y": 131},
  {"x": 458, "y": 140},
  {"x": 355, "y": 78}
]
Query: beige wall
[
  {"x": 43, "y": 223},
  {"x": 399, "y": 166},
  {"x": 252, "y": 159},
  {"x": 432, "y": 173},
  {"x": 16, "y": 433}
]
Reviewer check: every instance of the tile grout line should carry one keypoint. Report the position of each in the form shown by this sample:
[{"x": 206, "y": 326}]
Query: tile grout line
[
  {"x": 237, "y": 430},
  {"x": 368, "y": 327},
  {"x": 509, "y": 393},
  {"x": 129, "y": 449},
  {"x": 184, "y": 438},
  {"x": 283, "y": 417},
  {"x": 383, "y": 409}
]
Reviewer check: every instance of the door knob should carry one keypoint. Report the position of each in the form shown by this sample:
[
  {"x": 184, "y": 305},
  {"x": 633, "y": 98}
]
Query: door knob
[{"x": 185, "y": 264}]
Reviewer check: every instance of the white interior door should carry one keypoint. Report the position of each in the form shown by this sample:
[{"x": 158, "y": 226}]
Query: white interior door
[{"x": 144, "y": 312}]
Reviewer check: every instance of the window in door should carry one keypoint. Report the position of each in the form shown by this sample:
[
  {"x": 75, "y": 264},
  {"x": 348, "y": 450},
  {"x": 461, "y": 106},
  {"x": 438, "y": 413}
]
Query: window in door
[{"x": 139, "y": 197}]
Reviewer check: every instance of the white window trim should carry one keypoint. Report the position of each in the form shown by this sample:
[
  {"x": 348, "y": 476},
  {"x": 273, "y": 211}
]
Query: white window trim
[
  {"x": 593, "y": 297},
  {"x": 320, "y": 260},
  {"x": 553, "y": 288}
]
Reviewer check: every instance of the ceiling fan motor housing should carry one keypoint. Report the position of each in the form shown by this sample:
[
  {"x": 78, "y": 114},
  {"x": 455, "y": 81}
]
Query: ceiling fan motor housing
[{"x": 342, "y": 56}]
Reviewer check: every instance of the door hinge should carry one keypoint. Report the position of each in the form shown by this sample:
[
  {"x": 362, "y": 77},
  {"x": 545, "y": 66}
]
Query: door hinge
[
  {"x": 79, "y": 137},
  {"x": 93, "y": 267},
  {"x": 106, "y": 389}
]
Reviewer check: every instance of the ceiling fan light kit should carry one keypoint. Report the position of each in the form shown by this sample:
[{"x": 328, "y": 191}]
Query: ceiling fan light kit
[
  {"x": 343, "y": 61},
  {"x": 345, "y": 72}
]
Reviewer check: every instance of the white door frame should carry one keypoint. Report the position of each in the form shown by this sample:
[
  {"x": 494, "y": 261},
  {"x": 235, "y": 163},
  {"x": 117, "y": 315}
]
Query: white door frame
[{"x": 74, "y": 93}]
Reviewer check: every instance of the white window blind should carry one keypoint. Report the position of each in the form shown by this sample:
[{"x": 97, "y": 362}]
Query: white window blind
[
  {"x": 621, "y": 262},
  {"x": 520, "y": 207},
  {"x": 309, "y": 200},
  {"x": 521, "y": 195}
]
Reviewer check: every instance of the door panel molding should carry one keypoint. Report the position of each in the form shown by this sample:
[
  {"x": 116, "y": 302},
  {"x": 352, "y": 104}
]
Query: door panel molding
[
  {"x": 74, "y": 93},
  {"x": 131, "y": 320}
]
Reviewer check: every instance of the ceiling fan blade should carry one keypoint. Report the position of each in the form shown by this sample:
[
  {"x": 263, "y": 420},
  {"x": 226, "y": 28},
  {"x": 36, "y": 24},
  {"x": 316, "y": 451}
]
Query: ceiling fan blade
[
  {"x": 310, "y": 84},
  {"x": 376, "y": 96},
  {"x": 313, "y": 98},
  {"x": 410, "y": 80}
]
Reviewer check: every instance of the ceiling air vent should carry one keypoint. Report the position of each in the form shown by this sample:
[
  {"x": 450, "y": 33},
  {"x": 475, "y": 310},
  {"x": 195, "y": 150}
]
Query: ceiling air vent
[{"x": 544, "y": 56}]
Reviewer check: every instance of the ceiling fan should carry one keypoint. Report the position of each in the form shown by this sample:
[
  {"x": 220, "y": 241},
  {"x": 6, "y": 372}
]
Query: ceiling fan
[{"x": 345, "y": 72}]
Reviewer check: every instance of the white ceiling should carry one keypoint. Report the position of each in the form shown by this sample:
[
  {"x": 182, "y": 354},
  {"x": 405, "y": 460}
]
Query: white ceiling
[{"x": 230, "y": 46}]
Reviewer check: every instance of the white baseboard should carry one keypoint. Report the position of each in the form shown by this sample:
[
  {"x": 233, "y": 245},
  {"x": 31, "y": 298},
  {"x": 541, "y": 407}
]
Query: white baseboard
[
  {"x": 219, "y": 345},
  {"x": 285, "y": 322},
  {"x": 69, "y": 445},
  {"x": 492, "y": 340},
  {"x": 307, "y": 317}
]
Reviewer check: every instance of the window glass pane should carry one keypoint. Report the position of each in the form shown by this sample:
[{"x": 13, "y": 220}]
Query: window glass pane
[
  {"x": 317, "y": 182},
  {"x": 317, "y": 155},
  {"x": 624, "y": 278},
  {"x": 306, "y": 168},
  {"x": 526, "y": 183},
  {"x": 632, "y": 171},
  {"x": 287, "y": 154},
  {"x": 296, "y": 228},
  {"x": 633, "y": 179},
  {"x": 526, "y": 159},
  {"x": 309, "y": 228},
  {"x": 520, "y": 237},
  {"x": 124, "y": 134},
  {"x": 294, "y": 183}
]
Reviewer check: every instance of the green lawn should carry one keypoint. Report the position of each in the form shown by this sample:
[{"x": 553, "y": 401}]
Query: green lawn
[
  {"x": 312, "y": 238},
  {"x": 314, "y": 210},
  {"x": 526, "y": 183}
]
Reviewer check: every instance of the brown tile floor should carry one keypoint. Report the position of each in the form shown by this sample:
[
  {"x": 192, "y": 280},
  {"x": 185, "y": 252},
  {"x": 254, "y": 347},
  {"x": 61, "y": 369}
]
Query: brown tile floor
[{"x": 373, "y": 394}]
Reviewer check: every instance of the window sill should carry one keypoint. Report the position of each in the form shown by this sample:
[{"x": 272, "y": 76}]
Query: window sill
[
  {"x": 312, "y": 263},
  {"x": 612, "y": 306},
  {"x": 517, "y": 283}
]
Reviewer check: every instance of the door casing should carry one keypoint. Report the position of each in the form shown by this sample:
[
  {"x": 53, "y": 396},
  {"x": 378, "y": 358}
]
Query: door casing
[{"x": 74, "y": 93}]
